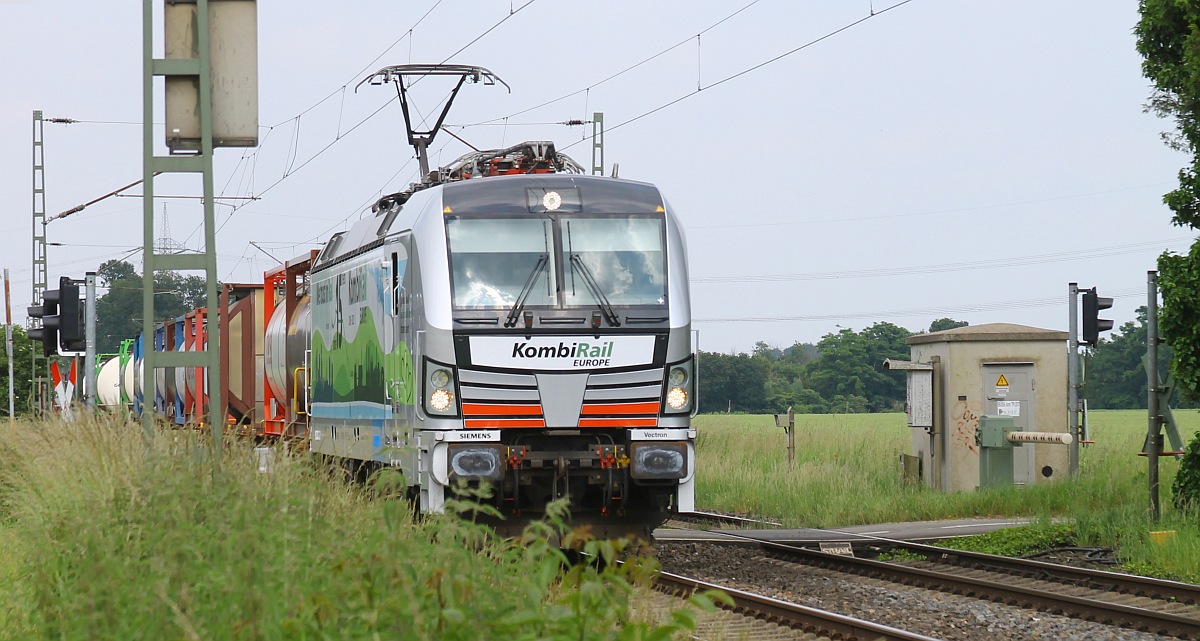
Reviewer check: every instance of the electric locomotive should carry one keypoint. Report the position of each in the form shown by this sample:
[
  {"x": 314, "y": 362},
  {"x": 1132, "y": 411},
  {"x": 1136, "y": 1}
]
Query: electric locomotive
[
  {"x": 529, "y": 330},
  {"x": 508, "y": 320}
]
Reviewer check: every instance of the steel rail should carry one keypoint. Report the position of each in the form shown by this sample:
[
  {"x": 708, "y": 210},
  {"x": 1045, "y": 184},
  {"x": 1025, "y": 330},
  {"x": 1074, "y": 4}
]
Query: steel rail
[
  {"x": 698, "y": 516},
  {"x": 1160, "y": 589},
  {"x": 1131, "y": 584},
  {"x": 1153, "y": 621},
  {"x": 793, "y": 615}
]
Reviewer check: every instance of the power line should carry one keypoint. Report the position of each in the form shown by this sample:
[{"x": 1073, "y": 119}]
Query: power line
[
  {"x": 512, "y": 12},
  {"x": 622, "y": 72},
  {"x": 355, "y": 77},
  {"x": 340, "y": 135},
  {"x": 928, "y": 213},
  {"x": 965, "y": 308},
  {"x": 901, "y": 270},
  {"x": 750, "y": 69},
  {"x": 496, "y": 120}
]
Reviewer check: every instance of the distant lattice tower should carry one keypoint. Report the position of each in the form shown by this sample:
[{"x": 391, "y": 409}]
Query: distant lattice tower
[{"x": 165, "y": 244}]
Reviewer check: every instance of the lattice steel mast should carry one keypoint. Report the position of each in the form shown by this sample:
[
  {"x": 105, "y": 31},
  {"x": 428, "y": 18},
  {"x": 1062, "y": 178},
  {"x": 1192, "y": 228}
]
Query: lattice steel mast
[{"x": 40, "y": 275}]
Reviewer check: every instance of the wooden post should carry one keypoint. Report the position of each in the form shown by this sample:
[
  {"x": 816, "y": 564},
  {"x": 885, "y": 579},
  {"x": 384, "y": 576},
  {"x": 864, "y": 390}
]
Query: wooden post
[
  {"x": 1154, "y": 423},
  {"x": 788, "y": 423},
  {"x": 8, "y": 349}
]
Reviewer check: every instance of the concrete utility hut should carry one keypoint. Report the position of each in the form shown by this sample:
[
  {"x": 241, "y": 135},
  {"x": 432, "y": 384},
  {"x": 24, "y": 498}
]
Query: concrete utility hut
[{"x": 998, "y": 369}]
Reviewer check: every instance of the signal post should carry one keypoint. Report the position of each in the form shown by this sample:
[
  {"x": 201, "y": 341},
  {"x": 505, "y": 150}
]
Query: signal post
[{"x": 210, "y": 94}]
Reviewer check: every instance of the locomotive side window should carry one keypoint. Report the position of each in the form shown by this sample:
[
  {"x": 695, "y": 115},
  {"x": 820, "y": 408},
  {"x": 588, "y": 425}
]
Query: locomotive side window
[
  {"x": 491, "y": 260},
  {"x": 623, "y": 255}
]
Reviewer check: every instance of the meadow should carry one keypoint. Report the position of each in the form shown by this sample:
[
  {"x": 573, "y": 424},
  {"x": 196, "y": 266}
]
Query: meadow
[
  {"x": 846, "y": 472},
  {"x": 104, "y": 535}
]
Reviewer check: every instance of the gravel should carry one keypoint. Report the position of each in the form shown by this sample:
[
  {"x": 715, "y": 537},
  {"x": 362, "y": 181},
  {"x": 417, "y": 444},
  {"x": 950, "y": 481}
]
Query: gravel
[{"x": 929, "y": 612}]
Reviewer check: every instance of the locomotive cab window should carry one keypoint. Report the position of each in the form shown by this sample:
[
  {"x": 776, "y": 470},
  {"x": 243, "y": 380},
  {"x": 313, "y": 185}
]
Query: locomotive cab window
[
  {"x": 559, "y": 261},
  {"x": 492, "y": 261},
  {"x": 623, "y": 256}
]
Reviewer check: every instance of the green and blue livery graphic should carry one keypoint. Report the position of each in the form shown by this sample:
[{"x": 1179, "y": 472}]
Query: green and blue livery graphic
[{"x": 356, "y": 353}]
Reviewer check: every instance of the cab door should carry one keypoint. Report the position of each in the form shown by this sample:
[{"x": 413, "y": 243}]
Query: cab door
[{"x": 398, "y": 367}]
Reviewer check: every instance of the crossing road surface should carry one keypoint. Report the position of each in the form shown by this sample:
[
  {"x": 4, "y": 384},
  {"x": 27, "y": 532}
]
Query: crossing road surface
[{"x": 914, "y": 531}]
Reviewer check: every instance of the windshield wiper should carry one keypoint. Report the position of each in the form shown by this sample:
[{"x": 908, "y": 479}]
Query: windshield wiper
[
  {"x": 594, "y": 287},
  {"x": 513, "y": 313}
]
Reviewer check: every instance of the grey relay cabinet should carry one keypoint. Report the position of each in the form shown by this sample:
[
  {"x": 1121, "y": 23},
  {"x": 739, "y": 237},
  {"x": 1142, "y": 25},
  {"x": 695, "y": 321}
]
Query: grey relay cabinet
[{"x": 957, "y": 376}]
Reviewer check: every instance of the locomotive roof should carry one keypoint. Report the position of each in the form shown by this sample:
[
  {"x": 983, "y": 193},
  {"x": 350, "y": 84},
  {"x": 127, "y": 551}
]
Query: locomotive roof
[
  {"x": 509, "y": 195},
  {"x": 499, "y": 195}
]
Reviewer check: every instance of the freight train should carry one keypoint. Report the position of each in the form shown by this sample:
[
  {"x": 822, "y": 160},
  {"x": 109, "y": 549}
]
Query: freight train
[{"x": 510, "y": 320}]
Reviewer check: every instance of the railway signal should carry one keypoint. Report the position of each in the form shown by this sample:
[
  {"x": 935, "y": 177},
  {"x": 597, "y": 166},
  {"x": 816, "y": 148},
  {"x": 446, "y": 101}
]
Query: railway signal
[
  {"x": 1092, "y": 323},
  {"x": 48, "y": 312},
  {"x": 62, "y": 319},
  {"x": 70, "y": 316}
]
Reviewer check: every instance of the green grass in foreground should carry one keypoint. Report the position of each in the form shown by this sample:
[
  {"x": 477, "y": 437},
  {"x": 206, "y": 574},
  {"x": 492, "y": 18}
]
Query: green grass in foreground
[
  {"x": 102, "y": 537},
  {"x": 846, "y": 473}
]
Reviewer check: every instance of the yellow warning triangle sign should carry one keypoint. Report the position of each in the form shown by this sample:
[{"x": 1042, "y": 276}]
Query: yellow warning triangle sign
[{"x": 1002, "y": 382}]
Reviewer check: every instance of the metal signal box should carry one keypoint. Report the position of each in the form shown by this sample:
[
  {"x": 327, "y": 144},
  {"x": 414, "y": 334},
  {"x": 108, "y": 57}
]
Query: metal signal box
[
  {"x": 958, "y": 377},
  {"x": 993, "y": 431},
  {"x": 995, "y": 451}
]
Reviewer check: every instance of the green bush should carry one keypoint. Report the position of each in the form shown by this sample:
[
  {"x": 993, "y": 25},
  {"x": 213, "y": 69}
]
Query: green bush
[{"x": 1186, "y": 487}]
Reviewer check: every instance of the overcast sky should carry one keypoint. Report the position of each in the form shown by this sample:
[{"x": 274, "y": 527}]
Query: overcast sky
[{"x": 939, "y": 158}]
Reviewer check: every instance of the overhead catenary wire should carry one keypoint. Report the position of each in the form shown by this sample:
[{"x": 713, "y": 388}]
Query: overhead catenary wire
[
  {"x": 292, "y": 170},
  {"x": 750, "y": 69},
  {"x": 965, "y": 308},
  {"x": 700, "y": 88},
  {"x": 341, "y": 135},
  {"x": 618, "y": 74},
  {"x": 252, "y": 156},
  {"x": 908, "y": 270},
  {"x": 513, "y": 11},
  {"x": 846, "y": 219}
]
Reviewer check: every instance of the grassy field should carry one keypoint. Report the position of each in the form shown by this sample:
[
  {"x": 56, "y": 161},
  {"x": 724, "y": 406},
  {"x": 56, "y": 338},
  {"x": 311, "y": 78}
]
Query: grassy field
[
  {"x": 103, "y": 537},
  {"x": 846, "y": 473}
]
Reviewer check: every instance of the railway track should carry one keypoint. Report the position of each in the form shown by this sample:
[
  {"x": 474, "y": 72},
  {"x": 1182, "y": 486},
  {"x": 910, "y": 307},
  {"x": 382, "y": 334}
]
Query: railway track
[
  {"x": 1150, "y": 605},
  {"x": 689, "y": 519},
  {"x": 762, "y": 618}
]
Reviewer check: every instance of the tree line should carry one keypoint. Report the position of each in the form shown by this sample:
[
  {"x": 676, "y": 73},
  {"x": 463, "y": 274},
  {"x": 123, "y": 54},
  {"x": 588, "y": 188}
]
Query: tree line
[{"x": 843, "y": 373}]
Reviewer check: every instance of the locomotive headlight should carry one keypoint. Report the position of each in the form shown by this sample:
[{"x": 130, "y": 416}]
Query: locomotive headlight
[
  {"x": 658, "y": 460},
  {"x": 476, "y": 461},
  {"x": 680, "y": 385},
  {"x": 677, "y": 398},
  {"x": 441, "y": 400},
  {"x": 439, "y": 388}
]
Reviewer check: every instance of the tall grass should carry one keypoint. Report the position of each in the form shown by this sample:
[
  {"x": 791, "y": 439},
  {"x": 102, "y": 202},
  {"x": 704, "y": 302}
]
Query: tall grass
[
  {"x": 846, "y": 473},
  {"x": 105, "y": 536}
]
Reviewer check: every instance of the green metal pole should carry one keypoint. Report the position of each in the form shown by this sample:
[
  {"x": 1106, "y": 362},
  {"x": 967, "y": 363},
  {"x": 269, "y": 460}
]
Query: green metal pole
[
  {"x": 37, "y": 385},
  {"x": 216, "y": 413},
  {"x": 148, "y": 359},
  {"x": 197, "y": 66}
]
